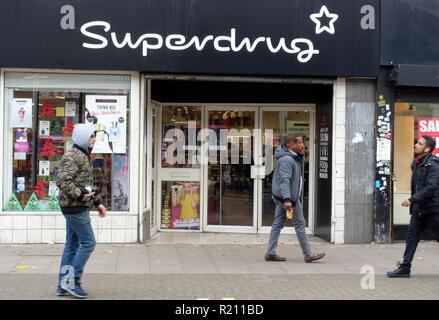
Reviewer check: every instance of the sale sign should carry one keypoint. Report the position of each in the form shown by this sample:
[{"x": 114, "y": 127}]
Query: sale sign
[{"x": 429, "y": 127}]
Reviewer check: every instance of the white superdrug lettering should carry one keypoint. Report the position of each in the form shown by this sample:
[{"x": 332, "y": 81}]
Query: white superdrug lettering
[
  {"x": 92, "y": 35},
  {"x": 304, "y": 48}
]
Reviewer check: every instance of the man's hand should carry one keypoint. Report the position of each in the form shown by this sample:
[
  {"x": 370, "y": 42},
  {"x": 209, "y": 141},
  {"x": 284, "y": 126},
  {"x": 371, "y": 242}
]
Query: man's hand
[
  {"x": 406, "y": 203},
  {"x": 288, "y": 206},
  {"x": 102, "y": 211},
  {"x": 88, "y": 196}
]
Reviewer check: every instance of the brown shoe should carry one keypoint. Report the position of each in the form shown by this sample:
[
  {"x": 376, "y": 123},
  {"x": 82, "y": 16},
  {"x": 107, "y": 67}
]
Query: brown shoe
[
  {"x": 269, "y": 257},
  {"x": 314, "y": 257}
]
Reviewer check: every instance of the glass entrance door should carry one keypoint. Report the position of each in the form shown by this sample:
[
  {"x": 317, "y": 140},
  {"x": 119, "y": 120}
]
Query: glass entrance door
[
  {"x": 231, "y": 197},
  {"x": 279, "y": 121}
]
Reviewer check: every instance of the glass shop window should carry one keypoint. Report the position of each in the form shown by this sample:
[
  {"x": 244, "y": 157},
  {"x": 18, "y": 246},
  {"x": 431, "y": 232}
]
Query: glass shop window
[
  {"x": 412, "y": 121},
  {"x": 41, "y": 111}
]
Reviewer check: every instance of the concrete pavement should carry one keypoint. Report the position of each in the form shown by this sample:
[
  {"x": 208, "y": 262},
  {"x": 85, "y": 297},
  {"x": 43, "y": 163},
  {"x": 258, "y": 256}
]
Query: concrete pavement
[{"x": 223, "y": 266}]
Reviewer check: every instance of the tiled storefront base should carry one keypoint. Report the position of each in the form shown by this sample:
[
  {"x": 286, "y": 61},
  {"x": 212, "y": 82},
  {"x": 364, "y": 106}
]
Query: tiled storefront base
[{"x": 50, "y": 228}]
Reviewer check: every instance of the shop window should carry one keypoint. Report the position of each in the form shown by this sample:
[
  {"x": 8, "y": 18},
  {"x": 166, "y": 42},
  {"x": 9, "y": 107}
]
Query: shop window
[
  {"x": 41, "y": 111},
  {"x": 411, "y": 122}
]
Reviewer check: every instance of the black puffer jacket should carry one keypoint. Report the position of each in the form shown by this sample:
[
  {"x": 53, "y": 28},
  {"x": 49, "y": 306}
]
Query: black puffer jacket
[{"x": 425, "y": 185}]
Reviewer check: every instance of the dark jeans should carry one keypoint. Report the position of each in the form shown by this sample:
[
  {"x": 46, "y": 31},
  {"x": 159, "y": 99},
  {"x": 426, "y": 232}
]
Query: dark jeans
[
  {"x": 416, "y": 227},
  {"x": 80, "y": 243}
]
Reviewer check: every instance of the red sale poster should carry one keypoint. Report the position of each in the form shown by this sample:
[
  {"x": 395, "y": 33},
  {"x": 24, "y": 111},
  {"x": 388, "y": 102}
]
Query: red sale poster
[{"x": 429, "y": 127}]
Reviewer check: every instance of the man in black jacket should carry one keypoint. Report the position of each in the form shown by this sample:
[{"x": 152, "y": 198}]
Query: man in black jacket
[{"x": 423, "y": 203}]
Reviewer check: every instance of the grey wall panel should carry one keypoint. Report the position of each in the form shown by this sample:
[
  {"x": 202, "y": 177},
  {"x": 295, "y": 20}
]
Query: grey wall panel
[{"x": 360, "y": 160}]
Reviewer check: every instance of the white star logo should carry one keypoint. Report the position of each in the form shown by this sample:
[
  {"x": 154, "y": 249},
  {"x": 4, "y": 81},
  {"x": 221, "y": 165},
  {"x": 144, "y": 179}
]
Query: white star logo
[{"x": 316, "y": 16}]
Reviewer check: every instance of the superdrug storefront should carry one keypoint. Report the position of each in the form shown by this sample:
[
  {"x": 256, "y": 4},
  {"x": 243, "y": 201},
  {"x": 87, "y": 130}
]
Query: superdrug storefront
[{"x": 190, "y": 99}]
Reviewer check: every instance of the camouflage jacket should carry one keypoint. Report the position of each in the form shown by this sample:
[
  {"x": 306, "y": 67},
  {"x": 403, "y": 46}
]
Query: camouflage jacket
[{"x": 74, "y": 175}]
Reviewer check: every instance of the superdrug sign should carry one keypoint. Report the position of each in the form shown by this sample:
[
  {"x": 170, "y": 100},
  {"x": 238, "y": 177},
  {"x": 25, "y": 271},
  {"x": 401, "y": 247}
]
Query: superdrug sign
[{"x": 258, "y": 37}]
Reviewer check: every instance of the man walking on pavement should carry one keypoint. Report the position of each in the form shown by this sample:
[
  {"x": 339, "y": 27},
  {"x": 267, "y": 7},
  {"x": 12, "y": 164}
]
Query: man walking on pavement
[
  {"x": 287, "y": 187},
  {"x": 77, "y": 195},
  {"x": 423, "y": 203}
]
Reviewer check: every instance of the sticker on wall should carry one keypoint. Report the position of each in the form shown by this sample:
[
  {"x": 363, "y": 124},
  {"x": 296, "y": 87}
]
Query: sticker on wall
[
  {"x": 44, "y": 129},
  {"x": 13, "y": 204},
  {"x": 383, "y": 149},
  {"x": 381, "y": 101},
  {"x": 33, "y": 204},
  {"x": 21, "y": 113}
]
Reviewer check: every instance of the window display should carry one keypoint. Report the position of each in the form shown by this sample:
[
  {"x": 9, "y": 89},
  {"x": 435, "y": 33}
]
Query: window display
[{"x": 42, "y": 115}]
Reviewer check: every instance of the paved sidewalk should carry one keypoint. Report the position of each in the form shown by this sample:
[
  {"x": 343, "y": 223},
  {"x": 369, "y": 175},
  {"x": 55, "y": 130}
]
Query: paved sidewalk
[{"x": 219, "y": 266}]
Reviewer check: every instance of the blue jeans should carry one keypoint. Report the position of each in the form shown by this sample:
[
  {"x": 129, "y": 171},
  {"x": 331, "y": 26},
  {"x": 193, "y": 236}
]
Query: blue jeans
[
  {"x": 279, "y": 222},
  {"x": 80, "y": 243}
]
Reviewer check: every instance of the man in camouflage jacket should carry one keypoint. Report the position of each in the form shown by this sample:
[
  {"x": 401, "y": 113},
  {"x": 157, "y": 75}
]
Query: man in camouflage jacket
[{"x": 77, "y": 195}]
